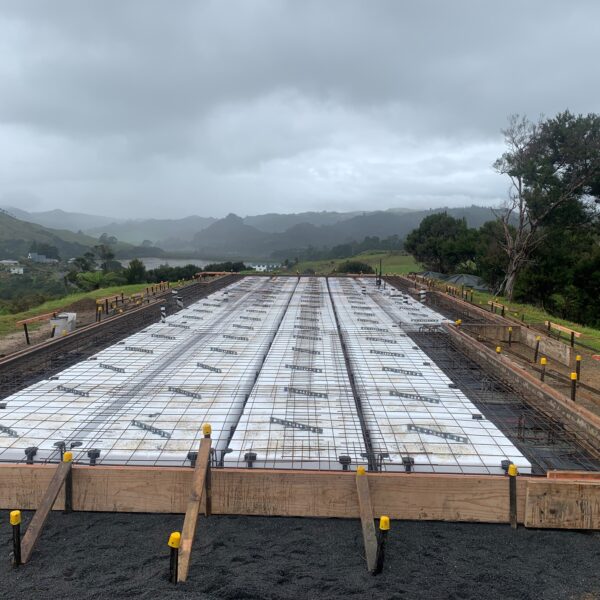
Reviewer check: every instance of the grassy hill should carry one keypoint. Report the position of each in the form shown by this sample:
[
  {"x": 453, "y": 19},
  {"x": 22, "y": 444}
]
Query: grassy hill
[
  {"x": 392, "y": 263},
  {"x": 16, "y": 237}
]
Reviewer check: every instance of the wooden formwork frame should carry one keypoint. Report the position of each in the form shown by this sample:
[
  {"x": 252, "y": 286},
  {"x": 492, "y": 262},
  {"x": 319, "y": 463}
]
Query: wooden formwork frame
[{"x": 570, "y": 501}]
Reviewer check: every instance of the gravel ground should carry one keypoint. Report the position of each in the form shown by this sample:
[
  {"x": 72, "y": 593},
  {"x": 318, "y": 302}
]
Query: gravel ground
[{"x": 100, "y": 555}]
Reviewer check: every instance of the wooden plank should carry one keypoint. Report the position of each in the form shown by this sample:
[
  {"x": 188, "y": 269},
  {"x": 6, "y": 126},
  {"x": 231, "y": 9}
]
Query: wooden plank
[
  {"x": 560, "y": 504},
  {"x": 45, "y": 317},
  {"x": 41, "y": 514},
  {"x": 419, "y": 496},
  {"x": 366, "y": 519},
  {"x": 574, "y": 475},
  {"x": 562, "y": 328},
  {"x": 193, "y": 508}
]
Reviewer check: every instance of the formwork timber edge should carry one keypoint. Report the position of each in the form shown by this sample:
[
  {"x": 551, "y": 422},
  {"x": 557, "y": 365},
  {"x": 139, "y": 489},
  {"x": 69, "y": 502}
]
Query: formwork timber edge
[{"x": 564, "y": 502}]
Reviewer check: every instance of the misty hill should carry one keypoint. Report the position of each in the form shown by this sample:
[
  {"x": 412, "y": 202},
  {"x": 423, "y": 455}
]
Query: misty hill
[
  {"x": 278, "y": 223},
  {"x": 233, "y": 237},
  {"x": 16, "y": 237},
  {"x": 162, "y": 232},
  {"x": 60, "y": 219}
]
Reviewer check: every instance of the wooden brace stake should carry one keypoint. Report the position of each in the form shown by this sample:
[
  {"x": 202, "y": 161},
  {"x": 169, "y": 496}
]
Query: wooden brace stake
[
  {"x": 193, "y": 508},
  {"x": 41, "y": 514},
  {"x": 366, "y": 518}
]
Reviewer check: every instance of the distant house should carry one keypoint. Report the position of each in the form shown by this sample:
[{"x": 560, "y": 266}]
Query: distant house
[
  {"x": 12, "y": 266},
  {"x": 40, "y": 258}
]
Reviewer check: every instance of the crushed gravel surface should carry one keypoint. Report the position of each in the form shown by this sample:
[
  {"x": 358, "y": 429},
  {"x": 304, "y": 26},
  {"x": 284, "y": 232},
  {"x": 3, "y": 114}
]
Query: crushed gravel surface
[{"x": 100, "y": 555}]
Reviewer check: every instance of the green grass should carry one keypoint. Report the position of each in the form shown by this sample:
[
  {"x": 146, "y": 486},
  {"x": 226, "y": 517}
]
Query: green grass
[
  {"x": 8, "y": 322},
  {"x": 392, "y": 263},
  {"x": 535, "y": 315}
]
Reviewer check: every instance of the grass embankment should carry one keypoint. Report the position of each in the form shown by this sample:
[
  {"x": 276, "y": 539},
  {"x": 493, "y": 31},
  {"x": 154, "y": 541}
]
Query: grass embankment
[
  {"x": 392, "y": 263},
  {"x": 8, "y": 322},
  {"x": 536, "y": 316}
]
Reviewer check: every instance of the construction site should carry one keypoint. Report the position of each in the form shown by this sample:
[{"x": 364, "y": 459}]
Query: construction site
[{"x": 376, "y": 399}]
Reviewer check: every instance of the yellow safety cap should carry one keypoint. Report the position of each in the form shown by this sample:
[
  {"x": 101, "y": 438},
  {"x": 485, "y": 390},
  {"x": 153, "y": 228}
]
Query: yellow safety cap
[
  {"x": 384, "y": 523},
  {"x": 360, "y": 470},
  {"x": 512, "y": 470},
  {"x": 543, "y": 360},
  {"x": 206, "y": 429},
  {"x": 573, "y": 376},
  {"x": 538, "y": 338},
  {"x": 578, "y": 357},
  {"x": 175, "y": 539},
  {"x": 68, "y": 457},
  {"x": 510, "y": 328},
  {"x": 15, "y": 517},
  {"x": 498, "y": 349}
]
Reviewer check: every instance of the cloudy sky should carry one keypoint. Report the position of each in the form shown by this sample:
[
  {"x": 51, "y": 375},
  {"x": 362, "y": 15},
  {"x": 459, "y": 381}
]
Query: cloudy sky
[{"x": 149, "y": 108}]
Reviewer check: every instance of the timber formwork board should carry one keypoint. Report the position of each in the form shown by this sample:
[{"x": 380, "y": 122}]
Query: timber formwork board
[{"x": 266, "y": 492}]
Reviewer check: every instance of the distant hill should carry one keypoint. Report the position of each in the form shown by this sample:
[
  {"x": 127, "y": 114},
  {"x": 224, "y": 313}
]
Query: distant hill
[
  {"x": 60, "y": 219},
  {"x": 258, "y": 236},
  {"x": 278, "y": 223},
  {"x": 16, "y": 237},
  {"x": 233, "y": 237},
  {"x": 162, "y": 232}
]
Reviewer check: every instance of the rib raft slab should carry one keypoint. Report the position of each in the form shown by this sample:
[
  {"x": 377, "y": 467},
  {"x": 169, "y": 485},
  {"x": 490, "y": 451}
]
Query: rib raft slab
[{"x": 299, "y": 373}]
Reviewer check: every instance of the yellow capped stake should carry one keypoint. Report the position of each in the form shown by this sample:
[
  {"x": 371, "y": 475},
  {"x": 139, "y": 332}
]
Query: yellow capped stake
[
  {"x": 578, "y": 358},
  {"x": 498, "y": 350},
  {"x": 360, "y": 470},
  {"x": 206, "y": 429},
  {"x": 538, "y": 338},
  {"x": 512, "y": 470},
  {"x": 384, "y": 523},
  {"x": 15, "y": 517},
  {"x": 68, "y": 457},
  {"x": 543, "y": 361},
  {"x": 175, "y": 539},
  {"x": 573, "y": 376}
]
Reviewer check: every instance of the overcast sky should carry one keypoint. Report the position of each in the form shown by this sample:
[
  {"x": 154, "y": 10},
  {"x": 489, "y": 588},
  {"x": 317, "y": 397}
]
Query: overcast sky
[{"x": 170, "y": 108}]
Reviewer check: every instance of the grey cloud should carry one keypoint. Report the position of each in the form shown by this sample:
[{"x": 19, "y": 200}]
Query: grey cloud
[{"x": 252, "y": 106}]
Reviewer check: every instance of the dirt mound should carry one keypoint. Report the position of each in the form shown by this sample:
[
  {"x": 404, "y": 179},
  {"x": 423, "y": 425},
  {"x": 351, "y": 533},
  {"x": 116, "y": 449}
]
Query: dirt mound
[{"x": 81, "y": 306}]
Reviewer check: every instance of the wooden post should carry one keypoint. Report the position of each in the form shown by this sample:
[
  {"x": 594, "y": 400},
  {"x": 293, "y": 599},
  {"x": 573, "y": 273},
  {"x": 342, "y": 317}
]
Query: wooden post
[
  {"x": 26, "y": 334},
  {"x": 193, "y": 508},
  {"x": 366, "y": 518},
  {"x": 41, "y": 514}
]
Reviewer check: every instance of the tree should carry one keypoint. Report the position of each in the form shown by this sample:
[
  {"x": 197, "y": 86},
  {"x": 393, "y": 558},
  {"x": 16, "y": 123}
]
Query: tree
[
  {"x": 105, "y": 254},
  {"x": 553, "y": 167},
  {"x": 87, "y": 262},
  {"x": 135, "y": 272},
  {"x": 490, "y": 258},
  {"x": 108, "y": 240},
  {"x": 47, "y": 250},
  {"x": 354, "y": 266},
  {"x": 442, "y": 243}
]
